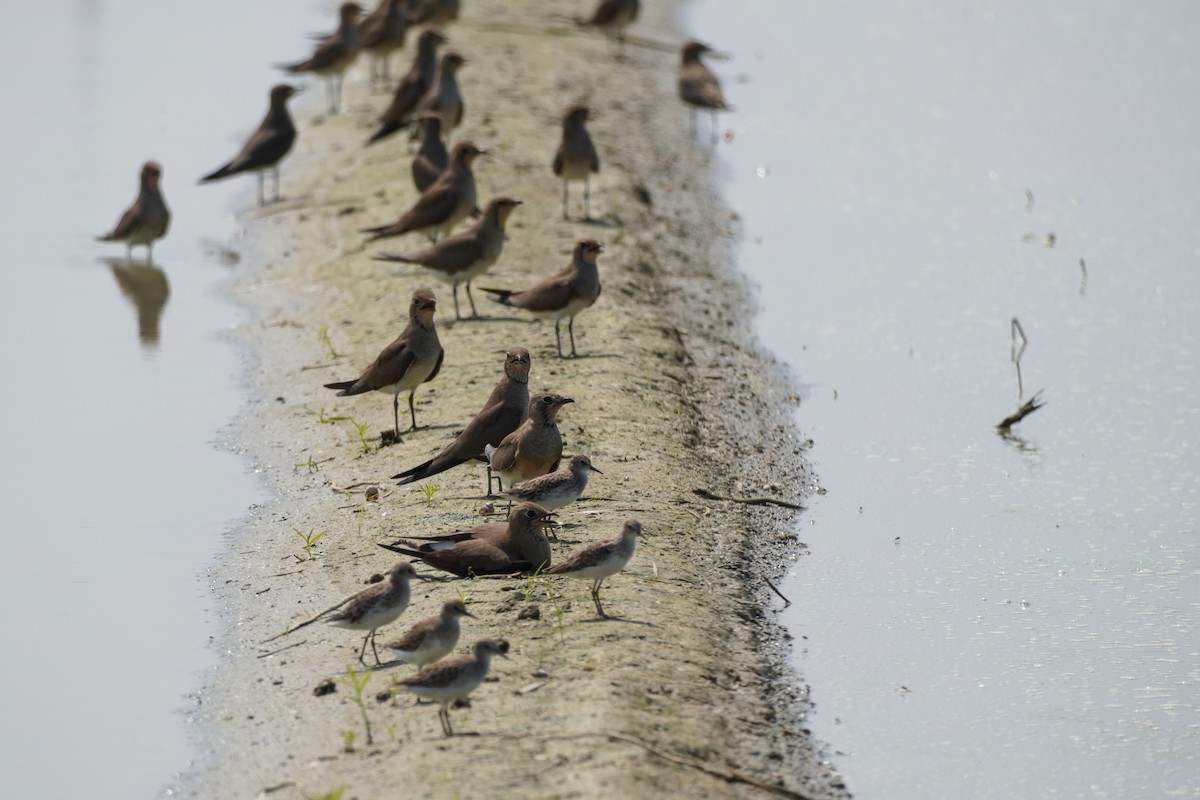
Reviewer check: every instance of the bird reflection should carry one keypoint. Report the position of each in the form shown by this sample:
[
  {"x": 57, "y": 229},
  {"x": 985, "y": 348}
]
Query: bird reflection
[{"x": 146, "y": 286}]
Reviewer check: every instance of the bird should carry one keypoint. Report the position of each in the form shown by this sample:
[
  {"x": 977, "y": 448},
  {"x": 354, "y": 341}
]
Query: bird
[
  {"x": 576, "y": 158},
  {"x": 454, "y": 678},
  {"x": 562, "y": 296},
  {"x": 534, "y": 448},
  {"x": 450, "y": 199},
  {"x": 433, "y": 12},
  {"x": 503, "y": 412},
  {"x": 464, "y": 256},
  {"x": 554, "y": 490},
  {"x": 698, "y": 86},
  {"x": 600, "y": 560},
  {"x": 147, "y": 219},
  {"x": 413, "y": 358},
  {"x": 412, "y": 86},
  {"x": 443, "y": 95},
  {"x": 382, "y": 32},
  {"x": 431, "y": 158},
  {"x": 267, "y": 146},
  {"x": 494, "y": 548},
  {"x": 334, "y": 55},
  {"x": 613, "y": 17},
  {"x": 377, "y": 605},
  {"x": 432, "y": 638}
]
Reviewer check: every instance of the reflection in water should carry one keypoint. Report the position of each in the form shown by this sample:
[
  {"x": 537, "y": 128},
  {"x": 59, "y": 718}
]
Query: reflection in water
[{"x": 146, "y": 286}]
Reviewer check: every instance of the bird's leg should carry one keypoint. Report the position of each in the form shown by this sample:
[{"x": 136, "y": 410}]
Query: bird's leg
[
  {"x": 692, "y": 112},
  {"x": 587, "y": 197},
  {"x": 474, "y": 313},
  {"x": 396, "y": 415},
  {"x": 373, "y": 650},
  {"x": 412, "y": 412},
  {"x": 714, "y": 127},
  {"x": 566, "y": 194},
  {"x": 558, "y": 338},
  {"x": 596, "y": 599},
  {"x": 456, "y": 314},
  {"x": 261, "y": 179},
  {"x": 444, "y": 716},
  {"x": 571, "y": 330},
  {"x": 363, "y": 652}
]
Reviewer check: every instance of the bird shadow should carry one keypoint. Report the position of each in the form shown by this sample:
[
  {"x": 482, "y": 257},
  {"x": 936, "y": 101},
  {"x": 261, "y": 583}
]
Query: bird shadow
[
  {"x": 450, "y": 323},
  {"x": 611, "y": 618},
  {"x": 595, "y": 222}
]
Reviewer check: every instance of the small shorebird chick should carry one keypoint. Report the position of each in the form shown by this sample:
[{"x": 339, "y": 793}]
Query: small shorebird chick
[
  {"x": 334, "y": 55},
  {"x": 147, "y": 219},
  {"x": 449, "y": 201},
  {"x": 519, "y": 545},
  {"x": 556, "y": 489},
  {"x": 613, "y": 17},
  {"x": 432, "y": 638},
  {"x": 576, "y": 158},
  {"x": 601, "y": 560},
  {"x": 377, "y": 605},
  {"x": 382, "y": 33},
  {"x": 454, "y": 678},
  {"x": 267, "y": 146},
  {"x": 412, "y": 359},
  {"x": 533, "y": 449},
  {"x": 698, "y": 86},
  {"x": 563, "y": 296},
  {"x": 412, "y": 86}
]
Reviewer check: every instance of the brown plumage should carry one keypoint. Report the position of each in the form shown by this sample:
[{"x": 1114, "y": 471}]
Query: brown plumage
[
  {"x": 431, "y": 159},
  {"x": 443, "y": 96},
  {"x": 432, "y": 638},
  {"x": 412, "y": 86},
  {"x": 698, "y": 86},
  {"x": 519, "y": 545},
  {"x": 601, "y": 560},
  {"x": 434, "y": 12},
  {"x": 613, "y": 17},
  {"x": 377, "y": 605},
  {"x": 449, "y": 201},
  {"x": 333, "y": 56},
  {"x": 266, "y": 147},
  {"x": 147, "y": 219},
  {"x": 382, "y": 33},
  {"x": 576, "y": 158},
  {"x": 454, "y": 678},
  {"x": 534, "y": 448}
]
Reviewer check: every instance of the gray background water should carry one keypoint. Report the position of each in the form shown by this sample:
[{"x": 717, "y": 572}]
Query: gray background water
[
  {"x": 984, "y": 617},
  {"x": 114, "y": 491}
]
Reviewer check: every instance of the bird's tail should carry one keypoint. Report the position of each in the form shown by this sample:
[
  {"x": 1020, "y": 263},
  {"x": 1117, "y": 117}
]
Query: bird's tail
[
  {"x": 501, "y": 296},
  {"x": 219, "y": 173},
  {"x": 404, "y": 551},
  {"x": 385, "y": 130},
  {"x": 395, "y": 257},
  {"x": 342, "y": 386},
  {"x": 431, "y": 467}
]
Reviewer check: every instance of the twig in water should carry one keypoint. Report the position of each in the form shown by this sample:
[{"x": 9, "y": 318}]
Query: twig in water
[
  {"x": 1015, "y": 353},
  {"x": 786, "y": 602},
  {"x": 1028, "y": 407},
  {"x": 750, "y": 501}
]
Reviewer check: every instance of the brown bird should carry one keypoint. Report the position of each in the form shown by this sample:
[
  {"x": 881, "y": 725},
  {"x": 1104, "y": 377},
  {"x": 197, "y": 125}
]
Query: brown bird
[
  {"x": 431, "y": 159},
  {"x": 698, "y": 86},
  {"x": 382, "y": 33},
  {"x": 266, "y": 147},
  {"x": 613, "y": 17},
  {"x": 466, "y": 255},
  {"x": 147, "y": 219},
  {"x": 601, "y": 560},
  {"x": 576, "y": 158},
  {"x": 443, "y": 95},
  {"x": 450, "y": 199},
  {"x": 495, "y": 548},
  {"x": 433, "y": 12},
  {"x": 378, "y": 605},
  {"x": 454, "y": 678},
  {"x": 533, "y": 449},
  {"x": 412, "y": 359},
  {"x": 432, "y": 638},
  {"x": 563, "y": 296},
  {"x": 503, "y": 412},
  {"x": 334, "y": 55},
  {"x": 412, "y": 86}
]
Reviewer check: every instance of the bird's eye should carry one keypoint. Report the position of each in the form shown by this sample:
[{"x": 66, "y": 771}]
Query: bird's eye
[
  {"x": 547, "y": 399},
  {"x": 531, "y": 513}
]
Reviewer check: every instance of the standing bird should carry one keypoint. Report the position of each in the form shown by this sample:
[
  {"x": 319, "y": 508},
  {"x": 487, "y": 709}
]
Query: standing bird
[
  {"x": 431, "y": 159},
  {"x": 533, "y": 449},
  {"x": 502, "y": 414},
  {"x": 698, "y": 86},
  {"x": 412, "y": 86},
  {"x": 563, "y": 296},
  {"x": 147, "y": 219},
  {"x": 443, "y": 96},
  {"x": 432, "y": 638},
  {"x": 334, "y": 55},
  {"x": 494, "y": 548},
  {"x": 449, "y": 201},
  {"x": 267, "y": 146},
  {"x": 554, "y": 490},
  {"x": 576, "y": 158},
  {"x": 377, "y": 605},
  {"x": 454, "y": 678},
  {"x": 466, "y": 255},
  {"x": 412, "y": 359},
  {"x": 601, "y": 560},
  {"x": 613, "y": 17},
  {"x": 382, "y": 33},
  {"x": 433, "y": 12}
]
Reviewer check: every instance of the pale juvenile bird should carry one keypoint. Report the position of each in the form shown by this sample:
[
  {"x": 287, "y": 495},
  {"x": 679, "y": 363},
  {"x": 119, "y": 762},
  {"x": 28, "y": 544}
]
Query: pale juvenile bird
[
  {"x": 449, "y": 201},
  {"x": 563, "y": 296},
  {"x": 555, "y": 489},
  {"x": 412, "y": 359},
  {"x": 576, "y": 158},
  {"x": 431, "y": 159},
  {"x": 412, "y": 86},
  {"x": 503, "y": 412},
  {"x": 432, "y": 638},
  {"x": 454, "y": 678},
  {"x": 147, "y": 219},
  {"x": 698, "y": 86},
  {"x": 464, "y": 256},
  {"x": 494, "y": 548},
  {"x": 534, "y": 448},
  {"x": 334, "y": 55},
  {"x": 613, "y": 17},
  {"x": 266, "y": 147},
  {"x": 377, "y": 605},
  {"x": 382, "y": 33},
  {"x": 434, "y": 12},
  {"x": 443, "y": 96},
  {"x": 601, "y": 560}
]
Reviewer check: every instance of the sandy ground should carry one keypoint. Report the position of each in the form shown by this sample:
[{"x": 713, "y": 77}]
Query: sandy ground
[{"x": 671, "y": 395}]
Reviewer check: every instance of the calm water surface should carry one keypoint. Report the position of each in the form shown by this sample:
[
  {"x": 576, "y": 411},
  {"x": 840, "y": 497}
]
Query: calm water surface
[
  {"x": 981, "y": 616},
  {"x": 119, "y": 380}
]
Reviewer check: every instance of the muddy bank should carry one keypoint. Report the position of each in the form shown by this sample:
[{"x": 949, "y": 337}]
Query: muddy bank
[{"x": 671, "y": 395}]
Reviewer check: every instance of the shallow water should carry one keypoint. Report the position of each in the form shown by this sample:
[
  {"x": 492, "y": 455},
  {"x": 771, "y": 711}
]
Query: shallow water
[
  {"x": 120, "y": 380},
  {"x": 983, "y": 616}
]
